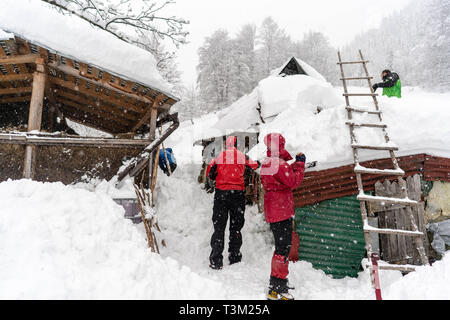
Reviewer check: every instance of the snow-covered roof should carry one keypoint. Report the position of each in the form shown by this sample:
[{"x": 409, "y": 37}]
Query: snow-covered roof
[
  {"x": 310, "y": 71},
  {"x": 325, "y": 137},
  {"x": 271, "y": 97},
  {"x": 74, "y": 38}
]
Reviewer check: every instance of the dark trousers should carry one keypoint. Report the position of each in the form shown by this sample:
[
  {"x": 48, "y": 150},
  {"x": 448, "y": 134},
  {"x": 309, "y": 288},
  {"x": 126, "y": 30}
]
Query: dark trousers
[
  {"x": 282, "y": 233},
  {"x": 232, "y": 203}
]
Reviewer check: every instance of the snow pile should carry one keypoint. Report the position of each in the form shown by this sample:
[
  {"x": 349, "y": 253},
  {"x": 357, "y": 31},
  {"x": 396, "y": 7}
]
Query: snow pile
[
  {"x": 69, "y": 243},
  {"x": 273, "y": 96},
  {"x": 298, "y": 92},
  {"x": 240, "y": 116},
  {"x": 5, "y": 36},
  {"x": 185, "y": 212},
  {"x": 426, "y": 283},
  {"x": 75, "y": 38},
  {"x": 325, "y": 137},
  {"x": 417, "y": 123},
  {"x": 60, "y": 242}
]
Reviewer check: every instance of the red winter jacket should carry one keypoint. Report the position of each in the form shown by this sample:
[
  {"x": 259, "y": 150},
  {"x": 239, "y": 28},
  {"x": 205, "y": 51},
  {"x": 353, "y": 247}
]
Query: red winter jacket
[
  {"x": 279, "y": 179},
  {"x": 231, "y": 167}
]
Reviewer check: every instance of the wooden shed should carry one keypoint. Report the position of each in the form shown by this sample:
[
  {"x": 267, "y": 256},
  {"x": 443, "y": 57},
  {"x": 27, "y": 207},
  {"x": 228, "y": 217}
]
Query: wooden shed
[
  {"x": 40, "y": 88},
  {"x": 328, "y": 217}
]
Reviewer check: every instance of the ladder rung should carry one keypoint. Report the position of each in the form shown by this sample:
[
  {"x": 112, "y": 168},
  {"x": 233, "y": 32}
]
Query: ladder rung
[
  {"x": 363, "y": 170},
  {"x": 360, "y": 94},
  {"x": 367, "y": 125},
  {"x": 362, "y": 111},
  {"x": 386, "y": 200},
  {"x": 405, "y": 267},
  {"x": 358, "y": 78},
  {"x": 394, "y": 232},
  {"x": 358, "y": 146},
  {"x": 353, "y": 62}
]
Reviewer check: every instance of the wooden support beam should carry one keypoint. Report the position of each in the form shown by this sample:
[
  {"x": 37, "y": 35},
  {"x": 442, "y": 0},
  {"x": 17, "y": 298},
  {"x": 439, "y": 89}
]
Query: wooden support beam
[
  {"x": 141, "y": 161},
  {"x": 149, "y": 114},
  {"x": 153, "y": 120},
  {"x": 42, "y": 140},
  {"x": 152, "y": 137},
  {"x": 94, "y": 113},
  {"x": 76, "y": 73},
  {"x": 98, "y": 105},
  {"x": 75, "y": 115},
  {"x": 91, "y": 92},
  {"x": 15, "y": 90},
  {"x": 15, "y": 99},
  {"x": 37, "y": 99},
  {"x": 26, "y": 58},
  {"x": 16, "y": 77},
  {"x": 35, "y": 116}
]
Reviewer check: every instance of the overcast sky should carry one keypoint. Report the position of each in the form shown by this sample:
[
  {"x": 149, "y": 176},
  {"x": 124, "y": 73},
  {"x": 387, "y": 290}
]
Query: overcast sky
[{"x": 340, "y": 21}]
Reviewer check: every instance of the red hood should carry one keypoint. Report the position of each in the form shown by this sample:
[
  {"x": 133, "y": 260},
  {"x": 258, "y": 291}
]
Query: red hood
[
  {"x": 275, "y": 143},
  {"x": 231, "y": 142}
]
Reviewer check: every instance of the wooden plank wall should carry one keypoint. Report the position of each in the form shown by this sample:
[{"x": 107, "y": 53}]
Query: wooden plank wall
[{"x": 400, "y": 249}]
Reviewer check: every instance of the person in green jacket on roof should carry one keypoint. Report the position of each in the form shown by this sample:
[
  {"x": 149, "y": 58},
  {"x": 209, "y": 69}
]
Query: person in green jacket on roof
[{"x": 392, "y": 86}]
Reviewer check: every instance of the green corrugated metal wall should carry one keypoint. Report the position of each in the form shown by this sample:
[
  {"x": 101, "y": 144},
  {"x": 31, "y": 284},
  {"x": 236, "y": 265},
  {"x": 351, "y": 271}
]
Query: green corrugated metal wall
[{"x": 331, "y": 236}]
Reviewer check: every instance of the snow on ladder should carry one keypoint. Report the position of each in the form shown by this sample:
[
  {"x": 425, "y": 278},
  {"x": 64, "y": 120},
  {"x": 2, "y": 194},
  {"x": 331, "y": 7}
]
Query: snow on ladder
[{"x": 374, "y": 264}]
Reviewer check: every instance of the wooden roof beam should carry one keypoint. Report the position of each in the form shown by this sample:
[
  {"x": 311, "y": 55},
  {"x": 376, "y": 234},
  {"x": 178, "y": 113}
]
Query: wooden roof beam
[
  {"x": 16, "y": 77},
  {"x": 100, "y": 105},
  {"x": 15, "y": 99},
  {"x": 148, "y": 114},
  {"x": 72, "y": 141},
  {"x": 15, "y": 90},
  {"x": 90, "y": 92},
  {"x": 94, "y": 114},
  {"x": 76, "y": 73},
  {"x": 75, "y": 116},
  {"x": 26, "y": 58}
]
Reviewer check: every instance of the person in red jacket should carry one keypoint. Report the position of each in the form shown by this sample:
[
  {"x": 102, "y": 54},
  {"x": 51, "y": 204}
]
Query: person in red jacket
[
  {"x": 229, "y": 199},
  {"x": 279, "y": 178}
]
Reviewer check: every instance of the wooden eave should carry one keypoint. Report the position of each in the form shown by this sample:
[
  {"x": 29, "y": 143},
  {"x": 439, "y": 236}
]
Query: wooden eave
[{"x": 82, "y": 92}]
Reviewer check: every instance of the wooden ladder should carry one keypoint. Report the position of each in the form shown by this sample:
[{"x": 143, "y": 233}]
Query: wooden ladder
[{"x": 418, "y": 236}]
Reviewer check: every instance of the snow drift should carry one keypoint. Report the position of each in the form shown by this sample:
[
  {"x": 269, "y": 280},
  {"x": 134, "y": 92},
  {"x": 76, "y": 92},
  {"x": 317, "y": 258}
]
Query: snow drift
[
  {"x": 60, "y": 242},
  {"x": 299, "y": 92},
  {"x": 417, "y": 123}
]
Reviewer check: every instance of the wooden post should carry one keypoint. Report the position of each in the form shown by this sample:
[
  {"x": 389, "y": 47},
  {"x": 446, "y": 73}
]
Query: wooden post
[
  {"x": 35, "y": 116},
  {"x": 153, "y": 120},
  {"x": 152, "y": 137}
]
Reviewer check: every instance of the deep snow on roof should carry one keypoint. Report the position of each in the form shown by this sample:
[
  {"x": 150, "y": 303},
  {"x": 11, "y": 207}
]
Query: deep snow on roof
[
  {"x": 75, "y": 38},
  {"x": 325, "y": 137},
  {"x": 272, "y": 96}
]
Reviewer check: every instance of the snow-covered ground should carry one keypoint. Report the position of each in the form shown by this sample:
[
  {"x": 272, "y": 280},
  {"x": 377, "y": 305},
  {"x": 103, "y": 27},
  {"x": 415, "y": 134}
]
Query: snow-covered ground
[
  {"x": 65, "y": 242},
  {"x": 72, "y": 242}
]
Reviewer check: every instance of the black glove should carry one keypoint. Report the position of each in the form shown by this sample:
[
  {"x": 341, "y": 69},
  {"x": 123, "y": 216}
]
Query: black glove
[
  {"x": 213, "y": 172},
  {"x": 375, "y": 87},
  {"x": 300, "y": 157}
]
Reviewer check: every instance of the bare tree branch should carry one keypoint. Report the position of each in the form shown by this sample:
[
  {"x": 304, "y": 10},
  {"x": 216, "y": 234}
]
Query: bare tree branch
[{"x": 120, "y": 16}]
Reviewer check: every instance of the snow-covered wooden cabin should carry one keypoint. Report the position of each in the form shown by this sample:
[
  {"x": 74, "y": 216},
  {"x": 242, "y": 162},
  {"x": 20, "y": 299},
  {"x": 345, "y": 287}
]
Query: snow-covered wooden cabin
[
  {"x": 55, "y": 70},
  {"x": 245, "y": 116},
  {"x": 328, "y": 215}
]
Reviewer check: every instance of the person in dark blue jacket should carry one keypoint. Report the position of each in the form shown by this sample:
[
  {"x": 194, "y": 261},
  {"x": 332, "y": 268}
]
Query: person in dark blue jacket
[{"x": 170, "y": 158}]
